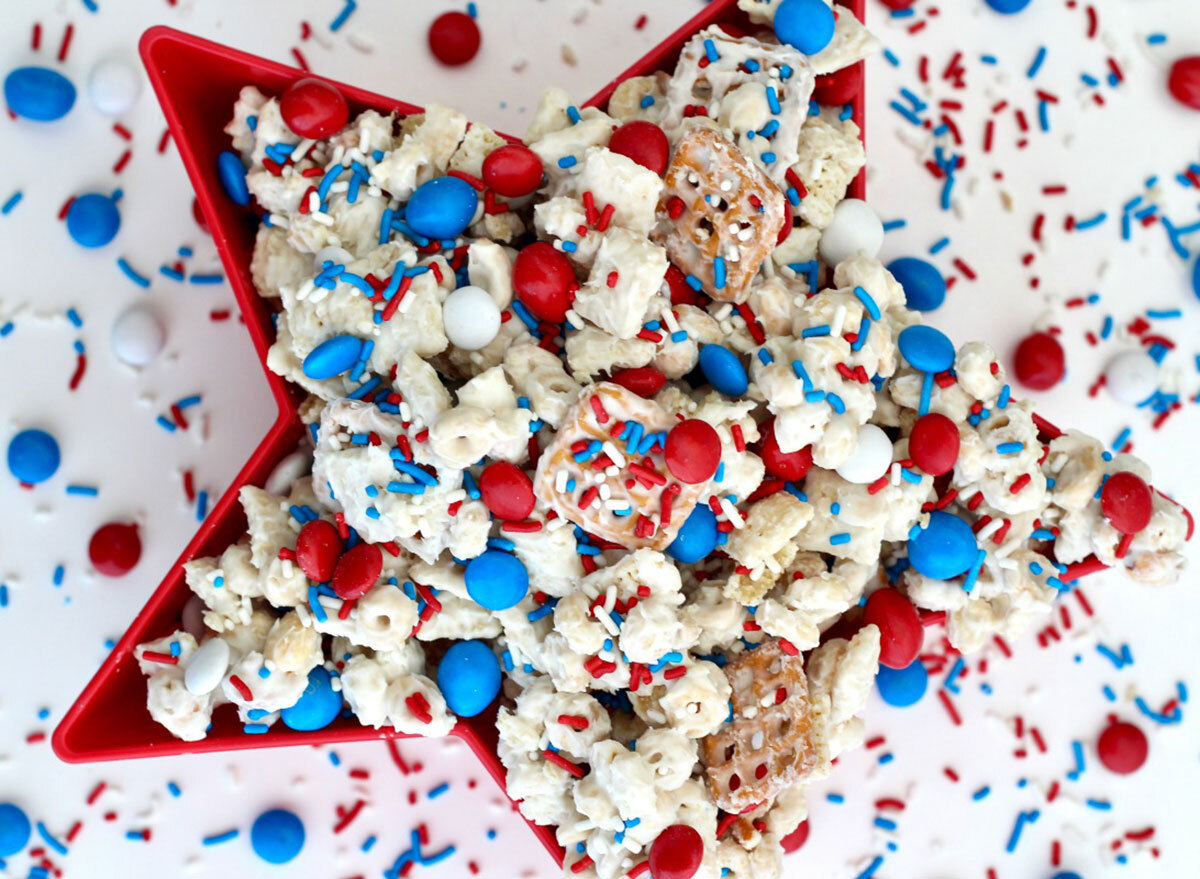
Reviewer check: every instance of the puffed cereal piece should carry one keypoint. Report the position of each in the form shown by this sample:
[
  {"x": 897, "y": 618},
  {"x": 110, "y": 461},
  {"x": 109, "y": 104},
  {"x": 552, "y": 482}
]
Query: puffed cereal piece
[
  {"x": 539, "y": 375},
  {"x": 550, "y": 558},
  {"x": 829, "y": 158},
  {"x": 560, "y": 219},
  {"x": 626, "y": 274},
  {"x": 719, "y": 617},
  {"x": 851, "y": 43},
  {"x": 844, "y": 672},
  {"x": 184, "y": 715},
  {"x": 653, "y": 628},
  {"x": 671, "y": 756},
  {"x": 629, "y": 99},
  {"x": 696, "y": 704},
  {"x": 478, "y": 142},
  {"x": 251, "y": 102},
  {"x": 291, "y": 646},
  {"x": 771, "y": 526},
  {"x": 631, "y": 189},
  {"x": 489, "y": 267},
  {"x": 277, "y": 264},
  {"x": 592, "y": 351},
  {"x": 675, "y": 359},
  {"x": 423, "y": 154}
]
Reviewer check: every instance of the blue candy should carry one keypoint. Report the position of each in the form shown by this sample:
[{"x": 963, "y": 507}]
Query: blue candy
[
  {"x": 39, "y": 93},
  {"x": 93, "y": 219},
  {"x": 926, "y": 349},
  {"x": 902, "y": 686},
  {"x": 441, "y": 208},
  {"x": 806, "y": 25},
  {"x": 1008, "y": 7},
  {"x": 924, "y": 286},
  {"x": 232, "y": 174},
  {"x": 14, "y": 829},
  {"x": 943, "y": 549},
  {"x": 1196, "y": 278},
  {"x": 496, "y": 580},
  {"x": 696, "y": 538},
  {"x": 724, "y": 370},
  {"x": 318, "y": 705},
  {"x": 33, "y": 456},
  {"x": 332, "y": 357},
  {"x": 469, "y": 677},
  {"x": 277, "y": 836}
]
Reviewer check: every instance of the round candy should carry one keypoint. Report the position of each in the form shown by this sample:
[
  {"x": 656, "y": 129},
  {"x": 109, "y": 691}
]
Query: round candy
[
  {"x": 898, "y": 4},
  {"x": 192, "y": 617},
  {"x": 198, "y": 215},
  {"x": 33, "y": 456},
  {"x": 926, "y": 349},
  {"x": 870, "y": 459},
  {"x": 512, "y": 170},
  {"x": 1039, "y": 363},
  {"x": 313, "y": 108},
  {"x": 902, "y": 687},
  {"x": 1132, "y": 377},
  {"x": 924, "y": 286},
  {"x": 207, "y": 666},
  {"x": 900, "y": 631},
  {"x": 454, "y": 38},
  {"x": 318, "y": 706},
  {"x": 838, "y": 88},
  {"x": 1008, "y": 7},
  {"x": 507, "y": 491},
  {"x": 681, "y": 292},
  {"x": 332, "y": 357},
  {"x": 944, "y": 548},
  {"x": 806, "y": 25},
  {"x": 93, "y": 219},
  {"x": 644, "y": 142},
  {"x": 277, "y": 836},
  {"x": 645, "y": 381},
  {"x": 137, "y": 335},
  {"x": 789, "y": 466},
  {"x": 441, "y": 208},
  {"x": 318, "y": 548},
  {"x": 544, "y": 281},
  {"x": 113, "y": 86},
  {"x": 1122, "y": 748},
  {"x": 724, "y": 370},
  {"x": 357, "y": 571},
  {"x": 38, "y": 93},
  {"x": 677, "y": 851},
  {"x": 14, "y": 829},
  {"x": 1127, "y": 502},
  {"x": 1184, "y": 81},
  {"x": 496, "y": 580},
  {"x": 469, "y": 677},
  {"x": 795, "y": 839},
  {"x": 232, "y": 174},
  {"x": 287, "y": 471},
  {"x": 115, "y": 549},
  {"x": 697, "y": 536},
  {"x": 470, "y": 318},
  {"x": 933, "y": 443},
  {"x": 693, "y": 451},
  {"x": 854, "y": 229}
]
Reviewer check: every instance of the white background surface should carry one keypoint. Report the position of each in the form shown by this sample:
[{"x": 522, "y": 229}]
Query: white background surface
[{"x": 53, "y": 639}]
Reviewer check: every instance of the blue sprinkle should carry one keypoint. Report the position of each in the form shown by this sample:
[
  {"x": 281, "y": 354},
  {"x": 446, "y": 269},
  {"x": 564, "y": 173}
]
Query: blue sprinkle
[
  {"x": 128, "y": 270},
  {"x": 891, "y": 58},
  {"x": 439, "y": 790},
  {"x": 83, "y": 490},
  {"x": 981, "y": 793},
  {"x": 646, "y": 101},
  {"x": 1101, "y": 805},
  {"x": 772, "y": 100},
  {"x": 567, "y": 162},
  {"x": 835, "y": 798},
  {"x": 871, "y": 868},
  {"x": 1009, "y": 448},
  {"x": 893, "y": 225},
  {"x": 1038, "y": 60},
  {"x": 710, "y": 52},
  {"x": 839, "y": 538},
  {"x": 173, "y": 788},
  {"x": 12, "y": 202},
  {"x": 218, "y": 838}
]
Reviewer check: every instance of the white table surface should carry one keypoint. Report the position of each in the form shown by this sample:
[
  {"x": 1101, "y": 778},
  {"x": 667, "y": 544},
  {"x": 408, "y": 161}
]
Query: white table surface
[{"x": 54, "y": 638}]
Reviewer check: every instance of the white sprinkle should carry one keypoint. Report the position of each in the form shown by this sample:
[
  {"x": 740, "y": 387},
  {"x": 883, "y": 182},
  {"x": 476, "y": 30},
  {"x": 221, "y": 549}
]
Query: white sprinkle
[
  {"x": 611, "y": 450},
  {"x": 839, "y": 318},
  {"x": 560, "y": 481},
  {"x": 731, "y": 512}
]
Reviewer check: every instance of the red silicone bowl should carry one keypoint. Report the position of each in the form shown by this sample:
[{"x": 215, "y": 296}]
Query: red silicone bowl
[{"x": 197, "y": 82}]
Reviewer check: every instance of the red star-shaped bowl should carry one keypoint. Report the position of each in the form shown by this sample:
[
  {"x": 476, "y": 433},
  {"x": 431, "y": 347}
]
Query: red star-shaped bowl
[{"x": 197, "y": 82}]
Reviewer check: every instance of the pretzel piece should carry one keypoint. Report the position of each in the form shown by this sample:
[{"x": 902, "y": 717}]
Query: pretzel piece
[
  {"x": 720, "y": 214},
  {"x": 769, "y": 744}
]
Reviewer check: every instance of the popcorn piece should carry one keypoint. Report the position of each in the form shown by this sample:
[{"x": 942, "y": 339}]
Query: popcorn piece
[
  {"x": 626, "y": 273},
  {"x": 830, "y": 156}
]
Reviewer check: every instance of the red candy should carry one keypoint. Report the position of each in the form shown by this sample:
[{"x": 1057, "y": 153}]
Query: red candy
[
  {"x": 900, "y": 631},
  {"x": 357, "y": 571},
  {"x": 693, "y": 451},
  {"x": 835, "y": 89},
  {"x": 1040, "y": 362},
  {"x": 796, "y": 838},
  {"x": 645, "y": 381},
  {"x": 1184, "y": 81},
  {"x": 898, "y": 4},
  {"x": 198, "y": 215},
  {"x": 933, "y": 444},
  {"x": 783, "y": 465},
  {"x": 318, "y": 547},
  {"x": 645, "y": 143},
  {"x": 115, "y": 548},
  {"x": 1122, "y": 748},
  {"x": 506, "y": 490},
  {"x": 1126, "y": 502},
  {"x": 513, "y": 170},
  {"x": 454, "y": 38},
  {"x": 312, "y": 108},
  {"x": 681, "y": 293},
  {"x": 544, "y": 282},
  {"x": 676, "y": 853}
]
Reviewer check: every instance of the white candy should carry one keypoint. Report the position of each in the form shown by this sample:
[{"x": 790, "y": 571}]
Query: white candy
[
  {"x": 339, "y": 256},
  {"x": 287, "y": 471},
  {"x": 871, "y": 457},
  {"x": 193, "y": 616},
  {"x": 114, "y": 86},
  {"x": 855, "y": 229},
  {"x": 207, "y": 667},
  {"x": 471, "y": 318},
  {"x": 137, "y": 335},
  {"x": 1131, "y": 377}
]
